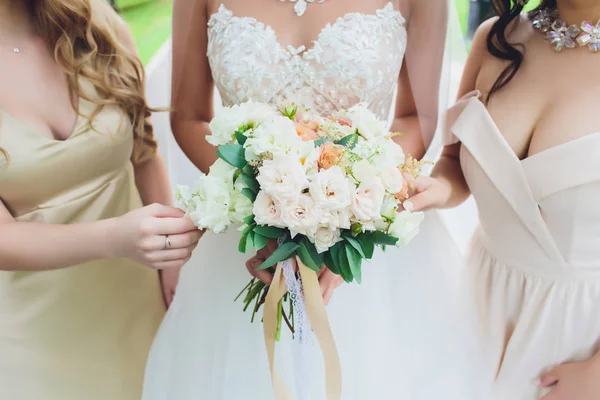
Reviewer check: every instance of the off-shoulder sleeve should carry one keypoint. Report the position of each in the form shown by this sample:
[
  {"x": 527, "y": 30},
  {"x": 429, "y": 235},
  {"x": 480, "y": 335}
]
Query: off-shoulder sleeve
[{"x": 453, "y": 114}]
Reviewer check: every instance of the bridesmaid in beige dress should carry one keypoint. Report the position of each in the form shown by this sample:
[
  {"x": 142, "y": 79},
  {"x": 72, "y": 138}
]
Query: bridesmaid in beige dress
[
  {"x": 77, "y": 163},
  {"x": 527, "y": 146}
]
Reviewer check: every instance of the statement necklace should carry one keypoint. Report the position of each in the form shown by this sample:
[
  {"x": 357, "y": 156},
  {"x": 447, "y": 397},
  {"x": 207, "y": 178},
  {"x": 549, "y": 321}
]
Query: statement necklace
[{"x": 548, "y": 22}]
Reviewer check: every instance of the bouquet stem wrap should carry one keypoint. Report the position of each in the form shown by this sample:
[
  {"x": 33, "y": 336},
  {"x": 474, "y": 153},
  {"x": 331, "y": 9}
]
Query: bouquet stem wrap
[{"x": 317, "y": 316}]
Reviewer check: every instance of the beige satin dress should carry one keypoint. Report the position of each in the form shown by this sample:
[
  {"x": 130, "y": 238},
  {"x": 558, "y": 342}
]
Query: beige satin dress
[
  {"x": 80, "y": 333},
  {"x": 536, "y": 257}
]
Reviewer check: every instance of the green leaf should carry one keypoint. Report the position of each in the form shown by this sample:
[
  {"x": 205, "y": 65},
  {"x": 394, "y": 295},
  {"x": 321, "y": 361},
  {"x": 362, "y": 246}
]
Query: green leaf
[
  {"x": 366, "y": 243},
  {"x": 241, "y": 138},
  {"x": 247, "y": 229},
  {"x": 249, "y": 220},
  {"x": 260, "y": 241},
  {"x": 283, "y": 252},
  {"x": 249, "y": 194},
  {"x": 328, "y": 260},
  {"x": 345, "y": 269},
  {"x": 249, "y": 170},
  {"x": 319, "y": 142},
  {"x": 355, "y": 262},
  {"x": 383, "y": 239},
  {"x": 233, "y": 154},
  {"x": 306, "y": 255},
  {"x": 314, "y": 254},
  {"x": 356, "y": 244},
  {"x": 348, "y": 141},
  {"x": 270, "y": 232},
  {"x": 250, "y": 182},
  {"x": 250, "y": 242},
  {"x": 242, "y": 244}
]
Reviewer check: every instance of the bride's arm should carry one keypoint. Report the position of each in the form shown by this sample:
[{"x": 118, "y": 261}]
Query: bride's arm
[
  {"x": 416, "y": 112},
  {"x": 192, "y": 84},
  {"x": 447, "y": 188}
]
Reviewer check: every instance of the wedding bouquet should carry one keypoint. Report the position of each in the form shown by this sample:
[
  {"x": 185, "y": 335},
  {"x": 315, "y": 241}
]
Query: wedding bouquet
[{"x": 328, "y": 189}]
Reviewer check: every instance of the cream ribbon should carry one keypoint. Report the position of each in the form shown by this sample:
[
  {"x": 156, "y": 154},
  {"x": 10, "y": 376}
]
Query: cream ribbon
[{"x": 317, "y": 316}]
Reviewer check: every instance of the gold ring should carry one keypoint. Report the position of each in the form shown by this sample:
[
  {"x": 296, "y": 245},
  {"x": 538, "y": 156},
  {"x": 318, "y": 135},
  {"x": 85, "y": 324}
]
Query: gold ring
[{"x": 167, "y": 243}]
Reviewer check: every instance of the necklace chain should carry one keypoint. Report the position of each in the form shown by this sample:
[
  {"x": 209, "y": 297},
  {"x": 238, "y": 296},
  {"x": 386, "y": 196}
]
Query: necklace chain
[
  {"x": 300, "y": 5},
  {"x": 547, "y": 21}
]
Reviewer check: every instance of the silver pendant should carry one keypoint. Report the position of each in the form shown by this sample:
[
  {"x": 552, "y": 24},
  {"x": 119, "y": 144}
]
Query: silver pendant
[
  {"x": 16, "y": 50},
  {"x": 300, "y": 5}
]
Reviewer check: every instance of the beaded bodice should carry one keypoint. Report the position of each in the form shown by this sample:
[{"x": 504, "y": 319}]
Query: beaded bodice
[{"x": 355, "y": 59}]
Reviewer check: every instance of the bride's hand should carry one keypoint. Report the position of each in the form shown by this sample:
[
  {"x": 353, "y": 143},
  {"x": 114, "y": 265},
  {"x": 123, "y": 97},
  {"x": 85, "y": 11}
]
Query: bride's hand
[
  {"x": 427, "y": 193},
  {"x": 265, "y": 275},
  {"x": 328, "y": 281},
  {"x": 577, "y": 380}
]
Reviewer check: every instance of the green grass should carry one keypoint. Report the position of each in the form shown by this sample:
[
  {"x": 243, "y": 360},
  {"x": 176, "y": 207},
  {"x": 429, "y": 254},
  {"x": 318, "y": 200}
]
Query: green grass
[
  {"x": 150, "y": 24},
  {"x": 462, "y": 7}
]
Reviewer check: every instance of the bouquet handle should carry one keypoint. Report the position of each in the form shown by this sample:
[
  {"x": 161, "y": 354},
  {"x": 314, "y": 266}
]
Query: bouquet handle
[{"x": 317, "y": 316}]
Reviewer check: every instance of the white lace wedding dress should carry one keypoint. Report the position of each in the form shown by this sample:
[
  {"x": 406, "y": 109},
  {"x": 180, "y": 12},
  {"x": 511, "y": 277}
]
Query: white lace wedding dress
[{"x": 399, "y": 334}]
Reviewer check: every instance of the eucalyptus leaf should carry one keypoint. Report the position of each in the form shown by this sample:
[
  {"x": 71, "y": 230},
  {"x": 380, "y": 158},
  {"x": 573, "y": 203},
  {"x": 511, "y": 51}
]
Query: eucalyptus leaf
[
  {"x": 233, "y": 154},
  {"x": 249, "y": 220},
  {"x": 270, "y": 232},
  {"x": 306, "y": 257},
  {"x": 345, "y": 265},
  {"x": 242, "y": 244},
  {"x": 283, "y": 252},
  {"x": 355, "y": 262},
  {"x": 367, "y": 245},
  {"x": 349, "y": 141},
  {"x": 356, "y": 244},
  {"x": 250, "y": 242},
  {"x": 383, "y": 239},
  {"x": 328, "y": 261},
  {"x": 260, "y": 241},
  {"x": 241, "y": 138},
  {"x": 249, "y": 194},
  {"x": 250, "y": 182},
  {"x": 319, "y": 142}
]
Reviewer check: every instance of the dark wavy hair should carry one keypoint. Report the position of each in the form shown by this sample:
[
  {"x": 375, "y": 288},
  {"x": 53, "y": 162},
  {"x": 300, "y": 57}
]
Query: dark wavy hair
[{"x": 497, "y": 43}]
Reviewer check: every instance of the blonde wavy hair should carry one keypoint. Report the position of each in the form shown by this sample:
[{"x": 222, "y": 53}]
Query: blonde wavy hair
[{"x": 87, "y": 42}]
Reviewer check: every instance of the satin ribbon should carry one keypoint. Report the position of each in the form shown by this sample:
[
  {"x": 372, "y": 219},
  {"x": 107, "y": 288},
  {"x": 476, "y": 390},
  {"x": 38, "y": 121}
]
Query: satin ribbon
[{"x": 317, "y": 316}]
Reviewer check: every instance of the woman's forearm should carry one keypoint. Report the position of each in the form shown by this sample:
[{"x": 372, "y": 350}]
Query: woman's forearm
[
  {"x": 152, "y": 181},
  {"x": 448, "y": 171},
  {"x": 28, "y": 246},
  {"x": 411, "y": 138},
  {"x": 191, "y": 137}
]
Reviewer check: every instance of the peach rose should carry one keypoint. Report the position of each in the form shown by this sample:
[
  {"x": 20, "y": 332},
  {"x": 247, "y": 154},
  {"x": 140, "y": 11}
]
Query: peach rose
[
  {"x": 403, "y": 193},
  {"x": 331, "y": 154},
  {"x": 307, "y": 131}
]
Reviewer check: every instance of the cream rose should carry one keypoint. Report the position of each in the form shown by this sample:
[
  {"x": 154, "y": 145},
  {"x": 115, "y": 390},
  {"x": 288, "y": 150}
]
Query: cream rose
[
  {"x": 325, "y": 238},
  {"x": 331, "y": 189},
  {"x": 283, "y": 177},
  {"x": 266, "y": 210},
  {"x": 301, "y": 216},
  {"x": 367, "y": 200},
  {"x": 406, "y": 226}
]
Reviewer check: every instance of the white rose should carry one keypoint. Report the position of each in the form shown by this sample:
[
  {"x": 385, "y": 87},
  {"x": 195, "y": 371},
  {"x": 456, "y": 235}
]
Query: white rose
[
  {"x": 392, "y": 179},
  {"x": 405, "y": 227},
  {"x": 367, "y": 200},
  {"x": 266, "y": 210},
  {"x": 331, "y": 188},
  {"x": 229, "y": 119},
  {"x": 366, "y": 123},
  {"x": 276, "y": 135},
  {"x": 210, "y": 204},
  {"x": 325, "y": 238},
  {"x": 283, "y": 178},
  {"x": 334, "y": 219},
  {"x": 363, "y": 170},
  {"x": 302, "y": 216}
]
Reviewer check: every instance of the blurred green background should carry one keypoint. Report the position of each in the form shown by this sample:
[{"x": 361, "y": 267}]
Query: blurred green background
[{"x": 150, "y": 22}]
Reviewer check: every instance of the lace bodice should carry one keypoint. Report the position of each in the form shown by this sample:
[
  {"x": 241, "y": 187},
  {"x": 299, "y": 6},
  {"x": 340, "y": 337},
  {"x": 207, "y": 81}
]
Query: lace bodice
[{"x": 356, "y": 59}]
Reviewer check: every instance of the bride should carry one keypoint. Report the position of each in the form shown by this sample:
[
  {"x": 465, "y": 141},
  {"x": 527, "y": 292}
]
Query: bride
[{"x": 391, "y": 331}]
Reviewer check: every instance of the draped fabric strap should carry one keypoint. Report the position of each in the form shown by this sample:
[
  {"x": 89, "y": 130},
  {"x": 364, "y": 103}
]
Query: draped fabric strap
[
  {"x": 582, "y": 167},
  {"x": 481, "y": 137},
  {"x": 319, "y": 322}
]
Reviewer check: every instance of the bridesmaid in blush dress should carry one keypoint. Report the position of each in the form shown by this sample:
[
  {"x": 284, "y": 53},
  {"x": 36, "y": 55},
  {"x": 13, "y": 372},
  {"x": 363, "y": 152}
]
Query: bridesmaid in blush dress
[{"x": 525, "y": 141}]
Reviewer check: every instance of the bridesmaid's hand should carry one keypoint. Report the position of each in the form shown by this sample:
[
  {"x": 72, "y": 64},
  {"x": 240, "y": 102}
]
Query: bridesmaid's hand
[
  {"x": 157, "y": 236},
  {"x": 328, "y": 281},
  {"x": 426, "y": 193},
  {"x": 573, "y": 381},
  {"x": 169, "y": 278}
]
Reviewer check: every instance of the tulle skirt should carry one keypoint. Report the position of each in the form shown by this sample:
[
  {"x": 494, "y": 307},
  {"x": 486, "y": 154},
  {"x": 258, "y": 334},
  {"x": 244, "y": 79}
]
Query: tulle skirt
[{"x": 404, "y": 333}]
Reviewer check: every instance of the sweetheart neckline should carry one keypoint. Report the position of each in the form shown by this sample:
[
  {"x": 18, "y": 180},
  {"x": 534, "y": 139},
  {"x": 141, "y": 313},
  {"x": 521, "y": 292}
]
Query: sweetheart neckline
[{"x": 306, "y": 50}]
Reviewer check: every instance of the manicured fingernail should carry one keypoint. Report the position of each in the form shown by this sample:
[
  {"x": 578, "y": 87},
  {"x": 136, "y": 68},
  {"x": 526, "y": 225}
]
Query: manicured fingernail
[{"x": 408, "y": 205}]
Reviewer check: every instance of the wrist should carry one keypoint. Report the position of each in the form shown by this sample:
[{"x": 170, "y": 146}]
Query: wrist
[{"x": 108, "y": 245}]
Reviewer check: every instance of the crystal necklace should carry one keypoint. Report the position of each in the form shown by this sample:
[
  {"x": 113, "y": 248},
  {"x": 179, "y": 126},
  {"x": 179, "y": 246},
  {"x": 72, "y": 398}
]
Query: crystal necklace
[
  {"x": 548, "y": 22},
  {"x": 300, "y": 7}
]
